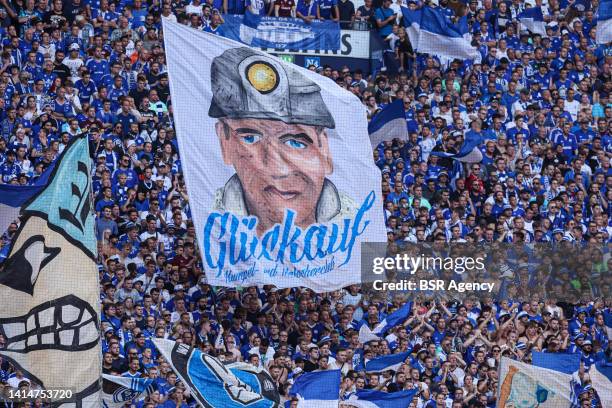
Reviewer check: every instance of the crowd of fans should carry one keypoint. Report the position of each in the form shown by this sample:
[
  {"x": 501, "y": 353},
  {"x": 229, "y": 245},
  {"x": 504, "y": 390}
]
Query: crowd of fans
[{"x": 539, "y": 104}]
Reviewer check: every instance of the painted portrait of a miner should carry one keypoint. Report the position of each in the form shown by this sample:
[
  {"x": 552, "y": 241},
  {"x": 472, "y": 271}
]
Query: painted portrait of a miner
[{"x": 273, "y": 128}]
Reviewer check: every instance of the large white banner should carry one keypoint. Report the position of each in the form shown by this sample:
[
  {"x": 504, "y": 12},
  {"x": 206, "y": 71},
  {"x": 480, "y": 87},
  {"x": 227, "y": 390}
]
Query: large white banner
[
  {"x": 49, "y": 289},
  {"x": 523, "y": 385},
  {"x": 278, "y": 165}
]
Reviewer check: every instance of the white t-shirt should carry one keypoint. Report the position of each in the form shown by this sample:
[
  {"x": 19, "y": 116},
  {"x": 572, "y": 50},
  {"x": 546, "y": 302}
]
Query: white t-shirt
[
  {"x": 191, "y": 9},
  {"x": 175, "y": 317},
  {"x": 14, "y": 381},
  {"x": 74, "y": 65},
  {"x": 264, "y": 359}
]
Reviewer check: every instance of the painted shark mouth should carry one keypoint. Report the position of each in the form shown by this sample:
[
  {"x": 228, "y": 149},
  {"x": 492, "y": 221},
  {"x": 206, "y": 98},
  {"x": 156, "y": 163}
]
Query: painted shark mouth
[{"x": 67, "y": 323}]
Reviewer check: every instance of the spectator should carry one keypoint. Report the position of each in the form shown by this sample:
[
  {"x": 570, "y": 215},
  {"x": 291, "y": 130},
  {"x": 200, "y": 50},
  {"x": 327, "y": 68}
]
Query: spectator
[
  {"x": 284, "y": 8},
  {"x": 307, "y": 10},
  {"x": 346, "y": 13},
  {"x": 385, "y": 18}
]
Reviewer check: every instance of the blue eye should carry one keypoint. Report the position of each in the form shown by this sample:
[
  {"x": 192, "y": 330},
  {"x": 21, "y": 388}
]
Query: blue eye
[
  {"x": 295, "y": 144},
  {"x": 251, "y": 139}
]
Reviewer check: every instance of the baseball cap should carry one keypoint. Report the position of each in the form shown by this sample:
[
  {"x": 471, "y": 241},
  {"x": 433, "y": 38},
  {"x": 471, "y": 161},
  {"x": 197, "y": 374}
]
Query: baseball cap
[
  {"x": 74, "y": 47},
  {"x": 324, "y": 339}
]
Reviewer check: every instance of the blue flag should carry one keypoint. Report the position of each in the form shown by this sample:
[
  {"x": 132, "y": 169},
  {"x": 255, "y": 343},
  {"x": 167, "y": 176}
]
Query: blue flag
[
  {"x": 388, "y": 362},
  {"x": 379, "y": 399},
  {"x": 12, "y": 197},
  {"x": 388, "y": 124},
  {"x": 281, "y": 32},
  {"x": 116, "y": 391},
  {"x": 317, "y": 388},
  {"x": 562, "y": 362},
  {"x": 395, "y": 318},
  {"x": 214, "y": 384},
  {"x": 468, "y": 153},
  {"x": 533, "y": 20},
  {"x": 431, "y": 32}
]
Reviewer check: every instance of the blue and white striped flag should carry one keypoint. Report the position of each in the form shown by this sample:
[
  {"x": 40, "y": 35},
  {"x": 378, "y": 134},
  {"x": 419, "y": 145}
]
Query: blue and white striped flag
[
  {"x": 387, "y": 362},
  {"x": 469, "y": 152},
  {"x": 604, "y": 22},
  {"x": 395, "y": 318},
  {"x": 13, "y": 197},
  {"x": 317, "y": 389},
  {"x": 379, "y": 399},
  {"x": 388, "y": 124},
  {"x": 533, "y": 20},
  {"x": 116, "y": 391},
  {"x": 431, "y": 32}
]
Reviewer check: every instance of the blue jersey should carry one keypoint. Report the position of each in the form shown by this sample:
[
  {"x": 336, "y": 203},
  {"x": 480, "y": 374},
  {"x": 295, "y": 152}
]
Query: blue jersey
[
  {"x": 114, "y": 94},
  {"x": 325, "y": 8},
  {"x": 63, "y": 108},
  {"x": 48, "y": 79},
  {"x": 98, "y": 69},
  {"x": 216, "y": 31},
  {"x": 307, "y": 9},
  {"x": 8, "y": 170},
  {"x": 569, "y": 144},
  {"x": 86, "y": 91}
]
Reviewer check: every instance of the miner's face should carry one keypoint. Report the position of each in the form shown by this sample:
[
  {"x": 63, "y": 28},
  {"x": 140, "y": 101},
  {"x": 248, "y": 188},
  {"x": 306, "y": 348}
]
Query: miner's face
[{"x": 279, "y": 165}]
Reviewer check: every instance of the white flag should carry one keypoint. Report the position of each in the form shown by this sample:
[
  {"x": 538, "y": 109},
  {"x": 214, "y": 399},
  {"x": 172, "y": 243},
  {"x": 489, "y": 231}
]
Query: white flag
[{"x": 278, "y": 165}]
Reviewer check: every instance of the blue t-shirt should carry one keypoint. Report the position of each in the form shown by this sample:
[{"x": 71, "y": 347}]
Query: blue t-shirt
[
  {"x": 139, "y": 17},
  {"x": 382, "y": 14}
]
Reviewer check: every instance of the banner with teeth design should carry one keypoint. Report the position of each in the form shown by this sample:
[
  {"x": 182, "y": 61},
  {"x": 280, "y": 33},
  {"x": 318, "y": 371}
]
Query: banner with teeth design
[{"x": 49, "y": 310}]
